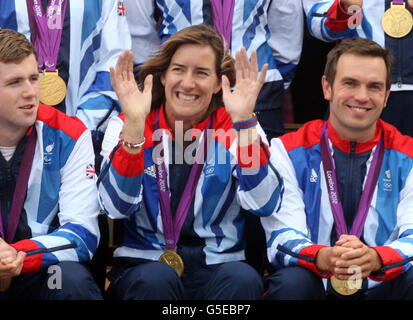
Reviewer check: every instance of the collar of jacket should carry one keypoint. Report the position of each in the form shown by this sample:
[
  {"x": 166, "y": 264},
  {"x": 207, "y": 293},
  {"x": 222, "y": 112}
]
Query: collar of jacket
[{"x": 361, "y": 147}]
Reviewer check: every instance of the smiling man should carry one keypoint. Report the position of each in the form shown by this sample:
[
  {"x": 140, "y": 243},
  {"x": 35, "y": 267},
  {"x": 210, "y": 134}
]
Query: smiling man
[
  {"x": 48, "y": 196},
  {"x": 345, "y": 227}
]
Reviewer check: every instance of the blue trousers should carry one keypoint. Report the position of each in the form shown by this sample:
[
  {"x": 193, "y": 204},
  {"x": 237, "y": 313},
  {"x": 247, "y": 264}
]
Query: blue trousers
[
  {"x": 157, "y": 281},
  {"x": 298, "y": 283},
  {"x": 63, "y": 281}
]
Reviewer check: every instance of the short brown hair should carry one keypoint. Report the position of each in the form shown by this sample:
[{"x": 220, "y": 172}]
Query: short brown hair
[
  {"x": 203, "y": 35},
  {"x": 14, "y": 46},
  {"x": 357, "y": 46}
]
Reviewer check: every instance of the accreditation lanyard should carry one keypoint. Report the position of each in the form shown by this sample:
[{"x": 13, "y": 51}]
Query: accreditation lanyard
[
  {"x": 332, "y": 187},
  {"x": 172, "y": 226},
  {"x": 223, "y": 12},
  {"x": 46, "y": 31},
  {"x": 20, "y": 189}
]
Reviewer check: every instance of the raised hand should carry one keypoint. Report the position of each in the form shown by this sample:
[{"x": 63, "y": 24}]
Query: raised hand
[
  {"x": 240, "y": 103},
  {"x": 135, "y": 104}
]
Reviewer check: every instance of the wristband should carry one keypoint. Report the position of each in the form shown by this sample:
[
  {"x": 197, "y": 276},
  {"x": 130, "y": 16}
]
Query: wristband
[
  {"x": 130, "y": 145},
  {"x": 246, "y": 123}
]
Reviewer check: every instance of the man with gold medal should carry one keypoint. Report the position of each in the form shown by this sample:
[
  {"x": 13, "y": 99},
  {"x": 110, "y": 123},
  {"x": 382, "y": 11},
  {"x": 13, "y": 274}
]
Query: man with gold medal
[
  {"x": 344, "y": 230},
  {"x": 387, "y": 22},
  {"x": 178, "y": 166}
]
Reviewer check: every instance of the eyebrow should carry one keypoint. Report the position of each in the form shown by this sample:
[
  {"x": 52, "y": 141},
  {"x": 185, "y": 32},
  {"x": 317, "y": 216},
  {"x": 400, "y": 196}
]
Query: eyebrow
[
  {"x": 380, "y": 83},
  {"x": 197, "y": 68}
]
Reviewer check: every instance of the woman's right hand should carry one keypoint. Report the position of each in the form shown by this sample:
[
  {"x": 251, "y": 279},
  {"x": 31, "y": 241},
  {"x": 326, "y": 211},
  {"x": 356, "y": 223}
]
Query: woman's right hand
[{"x": 135, "y": 104}]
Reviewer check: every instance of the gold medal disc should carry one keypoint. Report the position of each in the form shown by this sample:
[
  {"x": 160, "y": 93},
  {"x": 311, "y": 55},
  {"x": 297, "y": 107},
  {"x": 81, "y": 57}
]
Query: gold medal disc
[
  {"x": 52, "y": 88},
  {"x": 345, "y": 287},
  {"x": 397, "y": 21},
  {"x": 171, "y": 258}
]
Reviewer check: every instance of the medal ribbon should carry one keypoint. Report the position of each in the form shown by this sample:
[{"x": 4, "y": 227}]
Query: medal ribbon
[
  {"x": 172, "y": 227},
  {"x": 46, "y": 31},
  {"x": 333, "y": 194},
  {"x": 20, "y": 189},
  {"x": 223, "y": 12},
  {"x": 397, "y": 2}
]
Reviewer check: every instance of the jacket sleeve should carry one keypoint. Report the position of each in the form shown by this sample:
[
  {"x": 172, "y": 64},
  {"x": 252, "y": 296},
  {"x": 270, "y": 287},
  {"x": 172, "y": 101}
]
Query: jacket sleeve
[
  {"x": 96, "y": 95},
  {"x": 288, "y": 237},
  {"x": 120, "y": 181},
  {"x": 323, "y": 21},
  {"x": 286, "y": 25},
  {"x": 397, "y": 255},
  {"x": 142, "y": 25},
  {"x": 78, "y": 211},
  {"x": 260, "y": 187}
]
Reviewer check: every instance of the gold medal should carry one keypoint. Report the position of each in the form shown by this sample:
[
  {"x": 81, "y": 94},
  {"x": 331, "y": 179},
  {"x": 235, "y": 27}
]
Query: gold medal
[
  {"x": 52, "y": 88},
  {"x": 397, "y": 21},
  {"x": 171, "y": 258},
  {"x": 345, "y": 287}
]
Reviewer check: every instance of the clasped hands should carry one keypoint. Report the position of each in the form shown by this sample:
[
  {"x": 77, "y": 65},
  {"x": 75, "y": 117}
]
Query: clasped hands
[
  {"x": 11, "y": 264},
  {"x": 349, "y": 255}
]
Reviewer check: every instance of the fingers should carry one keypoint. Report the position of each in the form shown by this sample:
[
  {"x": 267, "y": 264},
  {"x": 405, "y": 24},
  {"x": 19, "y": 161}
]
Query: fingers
[
  {"x": 123, "y": 70},
  {"x": 148, "y": 84},
  {"x": 13, "y": 268},
  {"x": 225, "y": 85}
]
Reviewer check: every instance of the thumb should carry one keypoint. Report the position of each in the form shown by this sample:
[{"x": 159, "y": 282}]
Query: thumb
[
  {"x": 225, "y": 85},
  {"x": 148, "y": 84}
]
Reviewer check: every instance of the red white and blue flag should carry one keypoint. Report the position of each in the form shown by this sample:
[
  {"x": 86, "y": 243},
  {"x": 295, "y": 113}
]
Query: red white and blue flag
[
  {"x": 90, "y": 171},
  {"x": 121, "y": 8}
]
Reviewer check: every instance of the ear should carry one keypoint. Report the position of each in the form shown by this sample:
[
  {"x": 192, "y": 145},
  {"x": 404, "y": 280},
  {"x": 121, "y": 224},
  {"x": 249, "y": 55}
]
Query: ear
[
  {"x": 386, "y": 98},
  {"x": 326, "y": 88}
]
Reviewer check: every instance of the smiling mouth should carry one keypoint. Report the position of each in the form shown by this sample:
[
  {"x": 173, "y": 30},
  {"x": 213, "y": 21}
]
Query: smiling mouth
[
  {"x": 358, "y": 109},
  {"x": 185, "y": 97},
  {"x": 27, "y": 107}
]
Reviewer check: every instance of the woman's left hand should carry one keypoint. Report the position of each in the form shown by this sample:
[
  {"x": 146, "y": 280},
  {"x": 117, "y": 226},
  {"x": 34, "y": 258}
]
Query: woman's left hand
[{"x": 240, "y": 103}]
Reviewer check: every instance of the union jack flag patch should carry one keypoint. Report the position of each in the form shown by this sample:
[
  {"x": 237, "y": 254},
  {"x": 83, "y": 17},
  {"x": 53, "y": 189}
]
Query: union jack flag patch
[
  {"x": 90, "y": 171},
  {"x": 121, "y": 8}
]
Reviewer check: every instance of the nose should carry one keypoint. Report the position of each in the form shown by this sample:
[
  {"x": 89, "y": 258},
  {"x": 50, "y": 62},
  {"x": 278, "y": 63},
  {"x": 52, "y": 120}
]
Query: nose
[
  {"x": 362, "y": 94},
  {"x": 30, "y": 89},
  {"x": 187, "y": 81}
]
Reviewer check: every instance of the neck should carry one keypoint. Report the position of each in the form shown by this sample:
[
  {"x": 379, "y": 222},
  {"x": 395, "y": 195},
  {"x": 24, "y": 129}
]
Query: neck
[
  {"x": 361, "y": 135},
  {"x": 11, "y": 139},
  {"x": 179, "y": 123}
]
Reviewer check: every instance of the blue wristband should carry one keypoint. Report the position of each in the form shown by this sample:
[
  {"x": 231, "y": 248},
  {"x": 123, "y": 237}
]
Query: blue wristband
[{"x": 246, "y": 123}]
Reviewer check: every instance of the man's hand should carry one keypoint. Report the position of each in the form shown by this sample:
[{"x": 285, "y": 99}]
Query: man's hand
[
  {"x": 361, "y": 256},
  {"x": 11, "y": 261},
  {"x": 327, "y": 258}
]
